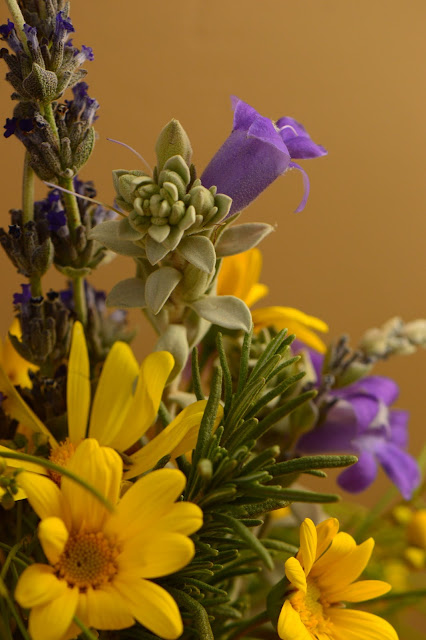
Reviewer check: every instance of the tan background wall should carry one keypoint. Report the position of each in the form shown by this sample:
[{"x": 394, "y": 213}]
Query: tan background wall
[{"x": 352, "y": 72}]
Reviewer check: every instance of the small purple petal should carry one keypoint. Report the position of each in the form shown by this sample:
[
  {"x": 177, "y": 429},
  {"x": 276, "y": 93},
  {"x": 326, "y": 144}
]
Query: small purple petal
[
  {"x": 298, "y": 141},
  {"x": 399, "y": 427},
  {"x": 335, "y": 434},
  {"x": 360, "y": 475},
  {"x": 401, "y": 468},
  {"x": 10, "y": 127},
  {"x": 306, "y": 186},
  {"x": 382, "y": 388},
  {"x": 25, "y": 296},
  {"x": 31, "y": 33},
  {"x": 365, "y": 407}
]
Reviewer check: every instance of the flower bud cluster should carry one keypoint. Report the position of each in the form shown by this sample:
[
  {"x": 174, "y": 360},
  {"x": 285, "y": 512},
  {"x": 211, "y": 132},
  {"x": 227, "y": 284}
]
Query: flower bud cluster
[
  {"x": 46, "y": 328},
  {"x": 28, "y": 245},
  {"x": 56, "y": 155},
  {"x": 74, "y": 252},
  {"x": 395, "y": 337},
  {"x": 44, "y": 66},
  {"x": 166, "y": 207}
]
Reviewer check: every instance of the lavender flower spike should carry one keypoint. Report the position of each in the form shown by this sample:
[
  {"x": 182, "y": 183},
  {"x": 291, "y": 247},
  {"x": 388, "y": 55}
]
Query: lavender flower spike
[
  {"x": 362, "y": 422},
  {"x": 255, "y": 154}
]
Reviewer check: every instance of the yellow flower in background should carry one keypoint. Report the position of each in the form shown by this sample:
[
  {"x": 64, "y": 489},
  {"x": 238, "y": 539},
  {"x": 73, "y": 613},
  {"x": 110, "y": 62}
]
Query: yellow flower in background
[
  {"x": 101, "y": 563},
  {"x": 15, "y": 366},
  {"x": 322, "y": 576},
  {"x": 239, "y": 276},
  {"x": 414, "y": 522},
  {"x": 125, "y": 405}
]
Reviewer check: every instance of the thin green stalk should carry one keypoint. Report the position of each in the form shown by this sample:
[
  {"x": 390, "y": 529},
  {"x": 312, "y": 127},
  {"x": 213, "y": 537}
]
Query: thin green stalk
[
  {"x": 80, "y": 299},
  {"x": 27, "y": 191},
  {"x": 13, "y": 610},
  {"x": 87, "y": 633},
  {"x": 18, "y": 21},
  {"x": 71, "y": 206},
  {"x": 10, "y": 557},
  {"x": 50, "y": 117},
  {"x": 374, "y": 513}
]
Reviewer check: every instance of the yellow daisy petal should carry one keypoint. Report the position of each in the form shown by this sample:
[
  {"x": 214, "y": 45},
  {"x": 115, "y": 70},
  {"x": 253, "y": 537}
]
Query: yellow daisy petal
[
  {"x": 43, "y": 494},
  {"x": 295, "y": 573},
  {"x": 51, "y": 621},
  {"x": 114, "y": 395},
  {"x": 38, "y": 585},
  {"x": 349, "y": 624},
  {"x": 256, "y": 293},
  {"x": 326, "y": 531},
  {"x": 78, "y": 385},
  {"x": 15, "y": 365},
  {"x": 347, "y": 569},
  {"x": 156, "y": 554},
  {"x": 152, "y": 606},
  {"x": 152, "y": 495},
  {"x": 53, "y": 536},
  {"x": 290, "y": 626},
  {"x": 308, "y": 544},
  {"x": 105, "y": 608},
  {"x": 182, "y": 517},
  {"x": 239, "y": 274},
  {"x": 361, "y": 591},
  {"x": 284, "y": 318},
  {"x": 189, "y": 441},
  {"x": 341, "y": 545},
  {"x": 163, "y": 444},
  {"x": 21, "y": 464},
  {"x": 101, "y": 467},
  {"x": 153, "y": 375},
  {"x": 14, "y": 406}
]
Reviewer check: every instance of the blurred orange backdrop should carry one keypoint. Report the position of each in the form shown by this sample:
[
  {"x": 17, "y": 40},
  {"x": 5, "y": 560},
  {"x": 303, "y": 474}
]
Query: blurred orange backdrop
[{"x": 352, "y": 72}]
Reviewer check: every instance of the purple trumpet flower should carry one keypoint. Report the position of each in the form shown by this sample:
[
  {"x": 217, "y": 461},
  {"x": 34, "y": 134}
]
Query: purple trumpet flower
[
  {"x": 257, "y": 151},
  {"x": 361, "y": 422}
]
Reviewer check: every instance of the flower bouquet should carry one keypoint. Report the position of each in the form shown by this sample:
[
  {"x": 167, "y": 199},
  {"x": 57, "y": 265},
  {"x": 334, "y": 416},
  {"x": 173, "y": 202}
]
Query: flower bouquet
[{"x": 171, "y": 499}]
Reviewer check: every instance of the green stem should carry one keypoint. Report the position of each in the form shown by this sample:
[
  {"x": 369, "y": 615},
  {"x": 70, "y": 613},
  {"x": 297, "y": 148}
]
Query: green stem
[
  {"x": 10, "y": 557},
  {"x": 28, "y": 214},
  {"x": 47, "y": 111},
  {"x": 27, "y": 191},
  {"x": 374, "y": 513},
  {"x": 18, "y": 21},
  {"x": 14, "y": 612},
  {"x": 80, "y": 299},
  {"x": 249, "y": 625},
  {"x": 71, "y": 206},
  {"x": 88, "y": 634}
]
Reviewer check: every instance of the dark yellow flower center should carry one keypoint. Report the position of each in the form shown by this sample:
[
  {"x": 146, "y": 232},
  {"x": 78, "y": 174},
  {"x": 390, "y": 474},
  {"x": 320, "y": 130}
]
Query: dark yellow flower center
[
  {"x": 61, "y": 456},
  {"x": 311, "y": 607},
  {"x": 88, "y": 560}
]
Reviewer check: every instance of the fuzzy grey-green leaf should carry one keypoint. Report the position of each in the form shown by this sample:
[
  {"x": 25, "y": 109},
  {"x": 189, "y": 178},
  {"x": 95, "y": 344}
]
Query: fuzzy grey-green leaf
[
  {"x": 159, "y": 286},
  {"x": 174, "y": 340},
  {"x": 127, "y": 294},
  {"x": 226, "y": 311},
  {"x": 241, "y": 238},
  {"x": 107, "y": 234},
  {"x": 199, "y": 251}
]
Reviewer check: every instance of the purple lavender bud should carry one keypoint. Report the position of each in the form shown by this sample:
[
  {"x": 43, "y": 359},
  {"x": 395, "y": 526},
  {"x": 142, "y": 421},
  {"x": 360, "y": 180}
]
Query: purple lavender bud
[
  {"x": 25, "y": 296},
  {"x": 10, "y": 127},
  {"x": 63, "y": 26},
  {"x": 86, "y": 53},
  {"x": 5, "y": 29},
  {"x": 255, "y": 154},
  {"x": 8, "y": 33},
  {"x": 31, "y": 33},
  {"x": 15, "y": 231}
]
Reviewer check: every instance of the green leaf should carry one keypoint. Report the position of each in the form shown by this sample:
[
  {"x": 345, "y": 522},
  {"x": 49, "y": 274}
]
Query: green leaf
[
  {"x": 127, "y": 294},
  {"x": 225, "y": 311},
  {"x": 159, "y": 285},
  {"x": 199, "y": 251},
  {"x": 247, "y": 536},
  {"x": 107, "y": 234},
  {"x": 241, "y": 238}
]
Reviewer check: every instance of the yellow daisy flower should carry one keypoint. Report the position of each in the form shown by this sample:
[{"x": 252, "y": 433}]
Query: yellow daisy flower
[
  {"x": 125, "y": 405},
  {"x": 15, "y": 366},
  {"x": 239, "y": 276},
  {"x": 322, "y": 576},
  {"x": 101, "y": 563}
]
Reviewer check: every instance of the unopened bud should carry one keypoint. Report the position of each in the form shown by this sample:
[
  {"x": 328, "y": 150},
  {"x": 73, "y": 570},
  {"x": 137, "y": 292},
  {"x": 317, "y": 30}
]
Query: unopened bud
[{"x": 172, "y": 141}]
